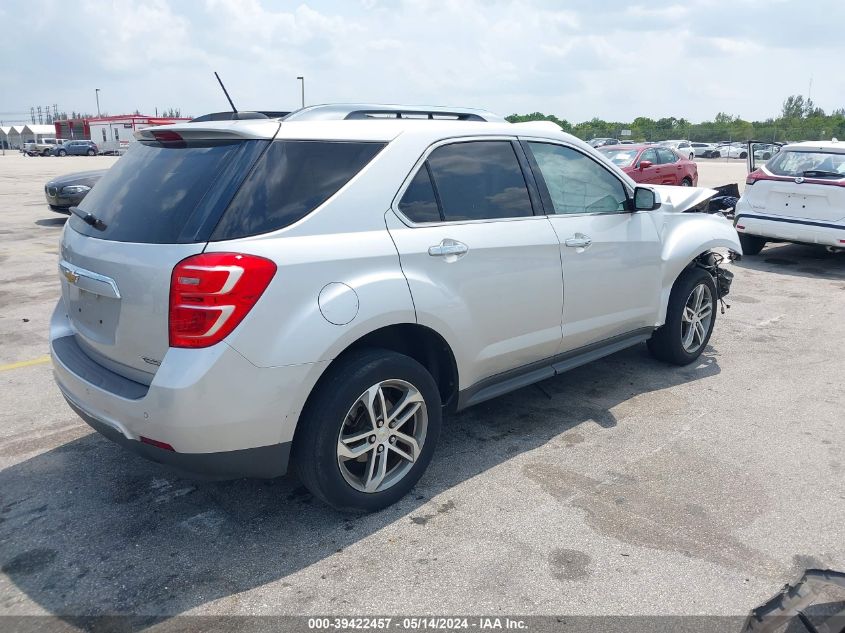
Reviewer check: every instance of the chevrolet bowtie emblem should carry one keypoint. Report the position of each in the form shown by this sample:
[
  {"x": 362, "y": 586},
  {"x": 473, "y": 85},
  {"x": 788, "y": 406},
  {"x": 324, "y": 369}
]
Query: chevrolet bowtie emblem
[{"x": 71, "y": 276}]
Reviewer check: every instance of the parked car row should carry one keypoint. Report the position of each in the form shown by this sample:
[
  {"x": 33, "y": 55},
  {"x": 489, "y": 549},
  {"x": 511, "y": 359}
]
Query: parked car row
[
  {"x": 60, "y": 147},
  {"x": 692, "y": 150}
]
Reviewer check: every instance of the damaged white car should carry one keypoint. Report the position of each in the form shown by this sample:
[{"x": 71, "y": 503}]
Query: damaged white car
[{"x": 319, "y": 289}]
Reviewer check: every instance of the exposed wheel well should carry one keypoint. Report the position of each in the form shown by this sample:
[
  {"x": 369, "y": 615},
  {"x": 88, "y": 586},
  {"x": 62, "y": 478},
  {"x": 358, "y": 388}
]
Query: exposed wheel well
[{"x": 425, "y": 346}]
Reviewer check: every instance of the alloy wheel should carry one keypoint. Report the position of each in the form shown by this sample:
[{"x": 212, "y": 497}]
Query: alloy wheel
[
  {"x": 382, "y": 435},
  {"x": 696, "y": 318}
]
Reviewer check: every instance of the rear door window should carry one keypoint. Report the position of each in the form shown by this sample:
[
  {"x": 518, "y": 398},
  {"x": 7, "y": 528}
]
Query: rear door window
[
  {"x": 479, "y": 180},
  {"x": 291, "y": 180},
  {"x": 158, "y": 190}
]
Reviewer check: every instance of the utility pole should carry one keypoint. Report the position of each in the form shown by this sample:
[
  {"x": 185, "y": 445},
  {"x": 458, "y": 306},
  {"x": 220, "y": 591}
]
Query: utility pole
[
  {"x": 97, "y": 95},
  {"x": 302, "y": 80}
]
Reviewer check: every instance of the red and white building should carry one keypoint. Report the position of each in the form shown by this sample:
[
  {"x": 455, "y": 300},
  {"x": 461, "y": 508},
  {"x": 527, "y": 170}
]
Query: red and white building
[{"x": 110, "y": 133}]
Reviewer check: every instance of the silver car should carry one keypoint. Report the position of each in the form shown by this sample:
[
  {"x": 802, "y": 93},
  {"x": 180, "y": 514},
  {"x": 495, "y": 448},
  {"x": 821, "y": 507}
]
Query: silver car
[{"x": 317, "y": 291}]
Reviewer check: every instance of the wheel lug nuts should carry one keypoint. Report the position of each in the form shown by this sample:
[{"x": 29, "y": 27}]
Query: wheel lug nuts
[
  {"x": 393, "y": 439},
  {"x": 380, "y": 424},
  {"x": 380, "y": 448},
  {"x": 372, "y": 439}
]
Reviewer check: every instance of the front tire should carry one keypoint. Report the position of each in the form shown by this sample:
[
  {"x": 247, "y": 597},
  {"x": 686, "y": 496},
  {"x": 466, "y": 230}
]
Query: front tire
[
  {"x": 686, "y": 182},
  {"x": 62, "y": 152},
  {"x": 91, "y": 152},
  {"x": 368, "y": 431},
  {"x": 751, "y": 244},
  {"x": 690, "y": 317}
]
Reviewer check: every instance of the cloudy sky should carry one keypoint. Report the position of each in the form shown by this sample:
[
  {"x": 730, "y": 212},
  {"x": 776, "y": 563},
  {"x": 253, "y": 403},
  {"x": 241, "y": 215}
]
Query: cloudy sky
[{"x": 577, "y": 59}]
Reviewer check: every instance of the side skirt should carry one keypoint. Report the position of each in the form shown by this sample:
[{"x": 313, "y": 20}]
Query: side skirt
[{"x": 514, "y": 379}]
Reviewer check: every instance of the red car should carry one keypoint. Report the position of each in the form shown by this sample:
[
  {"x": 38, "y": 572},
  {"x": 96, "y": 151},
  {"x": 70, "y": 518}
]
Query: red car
[{"x": 653, "y": 165}]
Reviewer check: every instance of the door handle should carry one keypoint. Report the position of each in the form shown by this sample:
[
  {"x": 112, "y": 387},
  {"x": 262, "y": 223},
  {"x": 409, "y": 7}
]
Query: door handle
[
  {"x": 448, "y": 247},
  {"x": 579, "y": 240}
]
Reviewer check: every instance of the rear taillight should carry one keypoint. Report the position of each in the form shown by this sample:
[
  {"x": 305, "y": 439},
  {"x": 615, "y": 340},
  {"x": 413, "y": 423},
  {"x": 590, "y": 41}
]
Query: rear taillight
[
  {"x": 756, "y": 175},
  {"x": 211, "y": 293}
]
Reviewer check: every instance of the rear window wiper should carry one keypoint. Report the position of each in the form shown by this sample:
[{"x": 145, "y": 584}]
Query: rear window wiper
[
  {"x": 821, "y": 173},
  {"x": 88, "y": 218}
]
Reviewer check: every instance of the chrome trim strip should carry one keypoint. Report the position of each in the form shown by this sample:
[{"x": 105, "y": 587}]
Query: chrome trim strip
[{"x": 89, "y": 280}]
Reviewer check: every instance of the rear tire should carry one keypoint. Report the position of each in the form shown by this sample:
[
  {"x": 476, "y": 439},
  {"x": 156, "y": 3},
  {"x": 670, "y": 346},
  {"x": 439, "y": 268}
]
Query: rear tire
[
  {"x": 343, "y": 446},
  {"x": 743, "y": 155},
  {"x": 692, "y": 306},
  {"x": 751, "y": 244}
]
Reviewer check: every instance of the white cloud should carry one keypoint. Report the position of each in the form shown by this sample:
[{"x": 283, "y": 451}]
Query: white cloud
[{"x": 612, "y": 59}]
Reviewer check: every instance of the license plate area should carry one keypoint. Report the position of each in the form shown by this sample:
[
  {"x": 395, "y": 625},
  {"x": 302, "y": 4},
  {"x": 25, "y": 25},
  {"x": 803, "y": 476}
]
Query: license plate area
[{"x": 94, "y": 316}]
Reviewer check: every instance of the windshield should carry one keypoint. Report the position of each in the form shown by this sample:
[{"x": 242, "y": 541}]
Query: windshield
[
  {"x": 620, "y": 157},
  {"x": 819, "y": 164}
]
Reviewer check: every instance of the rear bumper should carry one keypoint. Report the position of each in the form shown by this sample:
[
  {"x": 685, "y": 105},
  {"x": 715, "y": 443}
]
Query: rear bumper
[
  {"x": 263, "y": 462},
  {"x": 789, "y": 229},
  {"x": 222, "y": 415}
]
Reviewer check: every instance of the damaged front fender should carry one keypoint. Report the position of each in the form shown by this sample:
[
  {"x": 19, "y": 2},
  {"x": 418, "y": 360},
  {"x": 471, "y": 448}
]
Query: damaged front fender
[{"x": 687, "y": 236}]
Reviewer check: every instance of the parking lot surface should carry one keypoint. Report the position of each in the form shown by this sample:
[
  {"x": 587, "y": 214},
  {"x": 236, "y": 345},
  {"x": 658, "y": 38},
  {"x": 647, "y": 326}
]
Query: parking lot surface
[{"x": 624, "y": 487}]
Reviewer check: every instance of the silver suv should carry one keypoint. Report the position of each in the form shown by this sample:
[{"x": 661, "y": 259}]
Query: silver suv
[{"x": 318, "y": 290}]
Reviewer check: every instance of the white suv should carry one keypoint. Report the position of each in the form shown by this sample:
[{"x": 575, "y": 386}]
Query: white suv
[
  {"x": 320, "y": 289},
  {"x": 797, "y": 196}
]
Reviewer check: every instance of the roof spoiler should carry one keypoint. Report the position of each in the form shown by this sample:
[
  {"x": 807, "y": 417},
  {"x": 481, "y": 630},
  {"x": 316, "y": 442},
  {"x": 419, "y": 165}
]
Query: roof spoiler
[{"x": 239, "y": 116}]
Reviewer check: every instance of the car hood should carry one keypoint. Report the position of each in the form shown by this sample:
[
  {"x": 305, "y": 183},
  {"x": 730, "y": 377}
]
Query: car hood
[
  {"x": 680, "y": 199},
  {"x": 87, "y": 178}
]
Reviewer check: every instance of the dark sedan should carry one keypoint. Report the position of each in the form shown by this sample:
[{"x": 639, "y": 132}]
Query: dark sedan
[{"x": 68, "y": 191}]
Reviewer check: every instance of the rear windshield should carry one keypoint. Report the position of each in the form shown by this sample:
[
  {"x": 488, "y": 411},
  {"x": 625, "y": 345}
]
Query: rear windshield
[
  {"x": 808, "y": 164},
  {"x": 291, "y": 180},
  {"x": 165, "y": 193}
]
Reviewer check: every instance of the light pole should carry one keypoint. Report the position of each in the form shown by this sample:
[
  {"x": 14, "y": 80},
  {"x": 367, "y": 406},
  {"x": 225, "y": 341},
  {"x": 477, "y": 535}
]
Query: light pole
[
  {"x": 302, "y": 80},
  {"x": 97, "y": 95}
]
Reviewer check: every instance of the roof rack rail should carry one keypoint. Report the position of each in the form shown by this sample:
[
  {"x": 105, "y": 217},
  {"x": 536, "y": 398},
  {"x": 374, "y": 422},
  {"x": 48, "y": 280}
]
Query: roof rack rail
[
  {"x": 228, "y": 115},
  {"x": 361, "y": 111}
]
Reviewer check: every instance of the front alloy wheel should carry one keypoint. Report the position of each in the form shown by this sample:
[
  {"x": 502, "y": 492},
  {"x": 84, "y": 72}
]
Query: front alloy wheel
[
  {"x": 382, "y": 435},
  {"x": 690, "y": 317},
  {"x": 696, "y": 319}
]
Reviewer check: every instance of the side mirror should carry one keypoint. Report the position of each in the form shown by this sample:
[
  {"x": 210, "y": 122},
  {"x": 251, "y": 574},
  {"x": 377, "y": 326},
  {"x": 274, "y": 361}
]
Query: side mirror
[
  {"x": 645, "y": 199},
  {"x": 645, "y": 164}
]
